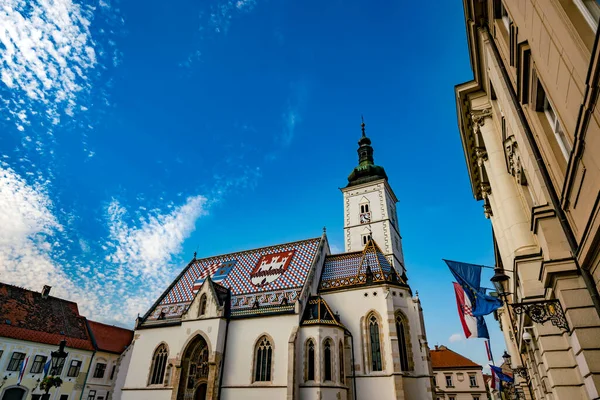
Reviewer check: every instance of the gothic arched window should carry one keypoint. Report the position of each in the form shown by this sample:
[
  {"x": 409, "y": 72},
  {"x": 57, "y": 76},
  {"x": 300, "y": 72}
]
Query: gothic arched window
[
  {"x": 375, "y": 344},
  {"x": 159, "y": 362},
  {"x": 341, "y": 361},
  {"x": 202, "y": 309},
  {"x": 263, "y": 356},
  {"x": 310, "y": 360},
  {"x": 403, "y": 342},
  {"x": 327, "y": 360}
]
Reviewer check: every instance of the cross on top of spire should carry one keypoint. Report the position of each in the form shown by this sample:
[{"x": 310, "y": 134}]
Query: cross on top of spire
[{"x": 362, "y": 125}]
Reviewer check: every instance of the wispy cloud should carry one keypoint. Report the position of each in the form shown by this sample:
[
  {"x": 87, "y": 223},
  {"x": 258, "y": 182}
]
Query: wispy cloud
[
  {"x": 216, "y": 21},
  {"x": 49, "y": 60},
  {"x": 456, "y": 337},
  {"x": 135, "y": 263},
  {"x": 292, "y": 115}
]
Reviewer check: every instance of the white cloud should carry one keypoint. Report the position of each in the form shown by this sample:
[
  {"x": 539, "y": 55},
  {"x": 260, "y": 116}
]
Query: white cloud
[
  {"x": 46, "y": 54},
  {"x": 139, "y": 264},
  {"x": 456, "y": 337}
]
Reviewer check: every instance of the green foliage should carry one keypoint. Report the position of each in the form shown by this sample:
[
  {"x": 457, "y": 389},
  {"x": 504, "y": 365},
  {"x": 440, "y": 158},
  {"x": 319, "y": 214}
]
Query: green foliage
[{"x": 49, "y": 382}]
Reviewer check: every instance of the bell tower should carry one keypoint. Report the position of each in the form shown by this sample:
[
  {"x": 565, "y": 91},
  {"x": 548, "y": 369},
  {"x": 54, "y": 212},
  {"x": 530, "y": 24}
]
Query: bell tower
[{"x": 370, "y": 207}]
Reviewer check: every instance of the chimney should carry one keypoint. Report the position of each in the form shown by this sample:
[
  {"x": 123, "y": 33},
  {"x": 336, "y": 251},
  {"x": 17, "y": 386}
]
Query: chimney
[
  {"x": 436, "y": 347},
  {"x": 46, "y": 291}
]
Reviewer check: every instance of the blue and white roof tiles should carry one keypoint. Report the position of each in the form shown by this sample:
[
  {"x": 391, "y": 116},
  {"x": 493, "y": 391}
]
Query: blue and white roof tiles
[{"x": 268, "y": 276}]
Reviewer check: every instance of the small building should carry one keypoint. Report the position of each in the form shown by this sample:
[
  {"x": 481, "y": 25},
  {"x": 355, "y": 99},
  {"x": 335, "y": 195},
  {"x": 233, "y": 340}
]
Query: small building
[
  {"x": 456, "y": 377},
  {"x": 32, "y": 325},
  {"x": 110, "y": 342}
]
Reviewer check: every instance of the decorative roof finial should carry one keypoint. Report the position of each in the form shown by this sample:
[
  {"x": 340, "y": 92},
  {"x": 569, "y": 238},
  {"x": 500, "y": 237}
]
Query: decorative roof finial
[
  {"x": 362, "y": 125},
  {"x": 324, "y": 229},
  {"x": 195, "y": 253}
]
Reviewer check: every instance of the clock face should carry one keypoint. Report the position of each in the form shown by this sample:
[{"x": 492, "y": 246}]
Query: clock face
[{"x": 365, "y": 218}]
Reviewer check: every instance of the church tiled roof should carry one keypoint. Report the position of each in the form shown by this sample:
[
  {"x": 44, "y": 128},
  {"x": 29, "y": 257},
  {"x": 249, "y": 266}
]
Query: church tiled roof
[
  {"x": 258, "y": 279},
  {"x": 318, "y": 312},
  {"x": 356, "y": 268}
]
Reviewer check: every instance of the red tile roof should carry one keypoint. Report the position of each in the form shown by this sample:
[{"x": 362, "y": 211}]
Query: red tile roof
[
  {"x": 25, "y": 315},
  {"x": 110, "y": 338},
  {"x": 444, "y": 358}
]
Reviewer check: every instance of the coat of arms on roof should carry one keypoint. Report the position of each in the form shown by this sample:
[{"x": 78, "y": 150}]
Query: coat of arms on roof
[
  {"x": 217, "y": 272},
  {"x": 270, "y": 267}
]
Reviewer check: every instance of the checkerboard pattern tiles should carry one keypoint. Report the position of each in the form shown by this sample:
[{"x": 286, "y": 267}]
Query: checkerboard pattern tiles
[
  {"x": 340, "y": 267},
  {"x": 238, "y": 280}
]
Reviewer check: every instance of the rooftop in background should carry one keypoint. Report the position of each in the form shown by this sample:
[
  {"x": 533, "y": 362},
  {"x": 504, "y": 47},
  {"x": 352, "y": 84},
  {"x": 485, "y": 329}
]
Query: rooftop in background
[
  {"x": 444, "y": 358},
  {"x": 110, "y": 338},
  {"x": 31, "y": 316}
]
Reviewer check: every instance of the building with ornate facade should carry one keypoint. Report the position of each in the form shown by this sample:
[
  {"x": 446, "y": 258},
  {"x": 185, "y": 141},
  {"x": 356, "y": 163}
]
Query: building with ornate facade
[
  {"x": 530, "y": 130},
  {"x": 32, "y": 325},
  {"x": 293, "y": 321},
  {"x": 456, "y": 377}
]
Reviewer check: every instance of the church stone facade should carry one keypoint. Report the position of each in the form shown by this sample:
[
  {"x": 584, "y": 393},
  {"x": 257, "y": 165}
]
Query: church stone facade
[{"x": 293, "y": 321}]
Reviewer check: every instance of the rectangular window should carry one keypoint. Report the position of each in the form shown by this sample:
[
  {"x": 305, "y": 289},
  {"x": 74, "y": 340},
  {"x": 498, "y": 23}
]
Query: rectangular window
[
  {"x": 504, "y": 16},
  {"x": 449, "y": 381},
  {"x": 590, "y": 10},
  {"x": 38, "y": 364},
  {"x": 112, "y": 372},
  {"x": 473, "y": 380},
  {"x": 57, "y": 370},
  {"x": 523, "y": 73},
  {"x": 99, "y": 371},
  {"x": 92, "y": 395},
  {"x": 542, "y": 104},
  {"x": 74, "y": 368},
  {"x": 64, "y": 397},
  {"x": 475, "y": 397},
  {"x": 15, "y": 361},
  {"x": 451, "y": 398}
]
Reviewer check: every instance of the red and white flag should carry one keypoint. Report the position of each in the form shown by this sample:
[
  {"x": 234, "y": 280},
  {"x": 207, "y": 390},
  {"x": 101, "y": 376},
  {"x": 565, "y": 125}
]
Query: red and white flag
[
  {"x": 22, "y": 371},
  {"x": 465, "y": 312}
]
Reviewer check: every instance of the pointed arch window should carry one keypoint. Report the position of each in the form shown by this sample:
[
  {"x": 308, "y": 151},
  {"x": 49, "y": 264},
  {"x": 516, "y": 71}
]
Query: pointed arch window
[
  {"x": 310, "y": 360},
  {"x": 341, "y": 361},
  {"x": 403, "y": 342},
  {"x": 202, "y": 309},
  {"x": 263, "y": 360},
  {"x": 327, "y": 360},
  {"x": 376, "y": 364},
  {"x": 159, "y": 363}
]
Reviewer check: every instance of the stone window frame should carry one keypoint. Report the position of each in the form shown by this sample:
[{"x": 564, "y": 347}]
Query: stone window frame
[
  {"x": 341, "y": 360},
  {"x": 153, "y": 362},
  {"x": 398, "y": 314},
  {"x": 100, "y": 361},
  {"x": 254, "y": 360},
  {"x": 331, "y": 359},
  {"x": 367, "y": 353},
  {"x": 306, "y": 360},
  {"x": 202, "y": 305}
]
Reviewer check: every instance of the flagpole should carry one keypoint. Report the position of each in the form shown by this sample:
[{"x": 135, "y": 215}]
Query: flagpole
[{"x": 480, "y": 265}]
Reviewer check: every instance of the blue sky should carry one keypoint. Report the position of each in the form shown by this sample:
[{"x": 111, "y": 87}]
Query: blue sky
[{"x": 133, "y": 135}]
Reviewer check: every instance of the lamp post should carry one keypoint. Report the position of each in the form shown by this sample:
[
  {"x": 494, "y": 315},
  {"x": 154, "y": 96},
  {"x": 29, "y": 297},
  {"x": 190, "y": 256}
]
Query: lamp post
[{"x": 57, "y": 361}]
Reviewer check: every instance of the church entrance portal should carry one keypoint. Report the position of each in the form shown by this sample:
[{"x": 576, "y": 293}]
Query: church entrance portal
[
  {"x": 194, "y": 371},
  {"x": 201, "y": 392},
  {"x": 14, "y": 394}
]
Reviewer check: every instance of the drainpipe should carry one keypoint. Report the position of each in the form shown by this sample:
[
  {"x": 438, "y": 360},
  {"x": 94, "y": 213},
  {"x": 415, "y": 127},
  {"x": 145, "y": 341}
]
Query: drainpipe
[
  {"x": 91, "y": 360},
  {"x": 353, "y": 372},
  {"x": 585, "y": 274},
  {"x": 228, "y": 316}
]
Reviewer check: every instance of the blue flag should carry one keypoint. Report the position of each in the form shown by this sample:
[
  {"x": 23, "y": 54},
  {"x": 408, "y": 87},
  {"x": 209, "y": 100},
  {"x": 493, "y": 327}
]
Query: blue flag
[
  {"x": 47, "y": 367},
  {"x": 469, "y": 277},
  {"x": 501, "y": 375}
]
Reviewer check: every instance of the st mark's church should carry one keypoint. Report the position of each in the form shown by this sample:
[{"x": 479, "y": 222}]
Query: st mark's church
[{"x": 293, "y": 321}]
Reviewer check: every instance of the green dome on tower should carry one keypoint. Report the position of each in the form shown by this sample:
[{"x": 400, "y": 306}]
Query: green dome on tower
[{"x": 366, "y": 171}]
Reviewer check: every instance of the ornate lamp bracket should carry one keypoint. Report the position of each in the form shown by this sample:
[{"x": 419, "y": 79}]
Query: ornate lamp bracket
[
  {"x": 543, "y": 311},
  {"x": 522, "y": 372}
]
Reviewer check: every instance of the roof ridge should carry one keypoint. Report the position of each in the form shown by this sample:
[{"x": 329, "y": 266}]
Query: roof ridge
[{"x": 257, "y": 248}]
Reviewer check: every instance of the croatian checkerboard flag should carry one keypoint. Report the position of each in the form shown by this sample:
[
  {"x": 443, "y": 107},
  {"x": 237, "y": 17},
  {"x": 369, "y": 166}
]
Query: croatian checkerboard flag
[
  {"x": 474, "y": 327},
  {"x": 22, "y": 371}
]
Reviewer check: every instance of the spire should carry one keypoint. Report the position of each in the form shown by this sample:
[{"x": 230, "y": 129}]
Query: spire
[{"x": 367, "y": 170}]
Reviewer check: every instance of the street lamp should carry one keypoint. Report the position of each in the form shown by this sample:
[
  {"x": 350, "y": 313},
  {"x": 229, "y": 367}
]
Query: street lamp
[
  {"x": 506, "y": 357},
  {"x": 58, "y": 357}
]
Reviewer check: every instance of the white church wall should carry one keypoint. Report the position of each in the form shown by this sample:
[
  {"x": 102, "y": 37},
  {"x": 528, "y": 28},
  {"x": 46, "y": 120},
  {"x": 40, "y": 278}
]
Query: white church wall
[
  {"x": 239, "y": 358},
  {"x": 319, "y": 388},
  {"x": 176, "y": 338}
]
